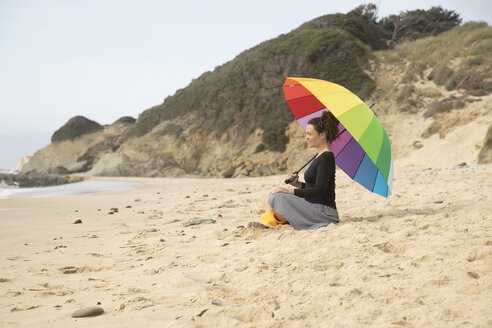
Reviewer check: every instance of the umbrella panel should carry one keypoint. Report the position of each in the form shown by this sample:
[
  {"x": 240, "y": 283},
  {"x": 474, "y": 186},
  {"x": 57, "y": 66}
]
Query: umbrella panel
[{"x": 304, "y": 106}]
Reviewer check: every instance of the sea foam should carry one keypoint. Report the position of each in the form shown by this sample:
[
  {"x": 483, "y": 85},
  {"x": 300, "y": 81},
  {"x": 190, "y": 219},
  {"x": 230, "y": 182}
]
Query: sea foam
[{"x": 71, "y": 189}]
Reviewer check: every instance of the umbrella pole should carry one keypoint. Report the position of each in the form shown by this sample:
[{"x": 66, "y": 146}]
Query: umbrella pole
[{"x": 297, "y": 172}]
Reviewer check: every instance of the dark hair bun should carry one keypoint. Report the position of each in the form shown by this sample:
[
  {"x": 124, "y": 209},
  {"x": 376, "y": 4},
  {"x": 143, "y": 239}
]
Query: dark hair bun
[
  {"x": 326, "y": 123},
  {"x": 330, "y": 124}
]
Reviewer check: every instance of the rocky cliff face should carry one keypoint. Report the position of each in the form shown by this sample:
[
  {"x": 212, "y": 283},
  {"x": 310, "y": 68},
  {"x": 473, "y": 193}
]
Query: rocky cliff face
[
  {"x": 227, "y": 131},
  {"x": 160, "y": 154}
]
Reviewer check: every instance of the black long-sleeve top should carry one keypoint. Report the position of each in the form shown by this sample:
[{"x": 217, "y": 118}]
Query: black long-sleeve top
[{"x": 320, "y": 181}]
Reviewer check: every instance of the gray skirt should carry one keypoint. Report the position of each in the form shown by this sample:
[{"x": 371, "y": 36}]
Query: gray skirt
[{"x": 301, "y": 214}]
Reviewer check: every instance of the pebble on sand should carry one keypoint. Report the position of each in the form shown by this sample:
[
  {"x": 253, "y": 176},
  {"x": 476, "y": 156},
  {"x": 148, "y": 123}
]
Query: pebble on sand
[
  {"x": 218, "y": 302},
  {"x": 228, "y": 205},
  {"x": 77, "y": 221},
  {"x": 90, "y": 311},
  {"x": 196, "y": 222}
]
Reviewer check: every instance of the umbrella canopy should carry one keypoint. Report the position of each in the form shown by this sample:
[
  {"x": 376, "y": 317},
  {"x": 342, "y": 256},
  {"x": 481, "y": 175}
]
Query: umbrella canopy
[{"x": 362, "y": 149}]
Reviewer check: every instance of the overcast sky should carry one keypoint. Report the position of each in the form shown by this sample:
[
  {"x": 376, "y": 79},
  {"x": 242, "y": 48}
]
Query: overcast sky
[{"x": 104, "y": 59}]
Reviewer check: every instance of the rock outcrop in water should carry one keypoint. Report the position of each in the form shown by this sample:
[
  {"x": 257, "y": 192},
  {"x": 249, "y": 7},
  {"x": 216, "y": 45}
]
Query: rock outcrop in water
[{"x": 35, "y": 179}]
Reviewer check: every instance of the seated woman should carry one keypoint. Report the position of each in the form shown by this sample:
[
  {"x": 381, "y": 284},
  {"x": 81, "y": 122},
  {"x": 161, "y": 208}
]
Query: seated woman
[{"x": 310, "y": 205}]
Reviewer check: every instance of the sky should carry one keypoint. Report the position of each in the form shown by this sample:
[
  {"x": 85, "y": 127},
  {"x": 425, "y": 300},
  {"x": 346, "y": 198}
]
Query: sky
[{"x": 105, "y": 59}]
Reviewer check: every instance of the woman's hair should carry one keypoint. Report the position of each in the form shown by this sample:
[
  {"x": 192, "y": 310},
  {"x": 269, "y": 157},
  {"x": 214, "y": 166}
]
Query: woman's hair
[{"x": 326, "y": 123}]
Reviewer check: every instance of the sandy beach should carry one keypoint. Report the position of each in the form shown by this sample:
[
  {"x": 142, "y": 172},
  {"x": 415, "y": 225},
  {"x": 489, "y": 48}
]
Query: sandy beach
[{"x": 421, "y": 258}]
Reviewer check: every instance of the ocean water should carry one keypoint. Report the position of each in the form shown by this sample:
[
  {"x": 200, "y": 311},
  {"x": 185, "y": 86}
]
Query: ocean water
[{"x": 71, "y": 189}]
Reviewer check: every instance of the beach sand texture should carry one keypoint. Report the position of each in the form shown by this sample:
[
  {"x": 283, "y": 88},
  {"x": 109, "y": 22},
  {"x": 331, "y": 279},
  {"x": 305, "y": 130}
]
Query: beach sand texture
[{"x": 421, "y": 258}]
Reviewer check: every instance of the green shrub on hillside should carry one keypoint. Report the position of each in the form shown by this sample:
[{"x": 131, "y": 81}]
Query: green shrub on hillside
[
  {"x": 440, "y": 74},
  {"x": 416, "y": 24},
  {"x": 75, "y": 127},
  {"x": 172, "y": 129},
  {"x": 474, "y": 80},
  {"x": 445, "y": 105},
  {"x": 405, "y": 93},
  {"x": 125, "y": 120},
  {"x": 145, "y": 122},
  {"x": 274, "y": 122},
  {"x": 360, "y": 23}
]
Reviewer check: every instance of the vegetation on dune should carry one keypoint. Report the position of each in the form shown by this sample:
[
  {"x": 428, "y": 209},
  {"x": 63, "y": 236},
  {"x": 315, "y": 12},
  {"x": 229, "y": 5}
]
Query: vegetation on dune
[
  {"x": 460, "y": 58},
  {"x": 405, "y": 93},
  {"x": 409, "y": 25},
  {"x": 360, "y": 23},
  {"x": 172, "y": 129},
  {"x": 415, "y": 24}
]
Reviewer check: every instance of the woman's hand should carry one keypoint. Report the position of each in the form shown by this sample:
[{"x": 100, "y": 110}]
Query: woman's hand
[
  {"x": 282, "y": 189},
  {"x": 293, "y": 178}
]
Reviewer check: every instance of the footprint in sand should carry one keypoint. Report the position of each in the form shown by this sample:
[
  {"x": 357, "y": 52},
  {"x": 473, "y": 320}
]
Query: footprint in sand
[
  {"x": 18, "y": 309},
  {"x": 257, "y": 225},
  {"x": 95, "y": 254},
  {"x": 12, "y": 294},
  {"x": 138, "y": 303},
  {"x": 388, "y": 247},
  {"x": 205, "y": 277},
  {"x": 51, "y": 293}
]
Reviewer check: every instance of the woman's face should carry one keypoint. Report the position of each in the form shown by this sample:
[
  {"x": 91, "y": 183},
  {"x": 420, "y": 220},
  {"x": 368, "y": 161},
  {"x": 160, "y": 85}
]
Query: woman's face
[{"x": 313, "y": 138}]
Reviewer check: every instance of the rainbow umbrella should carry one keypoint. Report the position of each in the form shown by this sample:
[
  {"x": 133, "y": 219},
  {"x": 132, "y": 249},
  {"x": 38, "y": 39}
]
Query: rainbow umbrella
[{"x": 363, "y": 149}]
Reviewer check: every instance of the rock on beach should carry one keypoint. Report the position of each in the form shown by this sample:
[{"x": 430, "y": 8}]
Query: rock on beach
[{"x": 90, "y": 311}]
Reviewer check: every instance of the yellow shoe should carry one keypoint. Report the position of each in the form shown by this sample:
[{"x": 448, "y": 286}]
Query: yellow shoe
[
  {"x": 279, "y": 218},
  {"x": 269, "y": 219}
]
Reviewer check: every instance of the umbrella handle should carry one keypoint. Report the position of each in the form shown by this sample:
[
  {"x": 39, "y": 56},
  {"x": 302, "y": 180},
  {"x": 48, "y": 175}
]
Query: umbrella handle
[
  {"x": 287, "y": 181},
  {"x": 297, "y": 172}
]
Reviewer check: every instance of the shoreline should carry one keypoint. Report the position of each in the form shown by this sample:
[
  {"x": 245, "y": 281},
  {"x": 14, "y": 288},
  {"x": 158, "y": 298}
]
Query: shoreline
[
  {"x": 87, "y": 186},
  {"x": 395, "y": 261}
]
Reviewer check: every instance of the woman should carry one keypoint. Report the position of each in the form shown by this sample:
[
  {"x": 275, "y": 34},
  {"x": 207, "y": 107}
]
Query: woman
[{"x": 310, "y": 205}]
